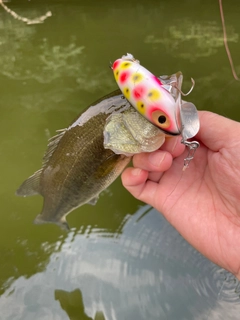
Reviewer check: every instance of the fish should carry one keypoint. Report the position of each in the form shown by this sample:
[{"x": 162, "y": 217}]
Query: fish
[
  {"x": 86, "y": 157},
  {"x": 151, "y": 96}
]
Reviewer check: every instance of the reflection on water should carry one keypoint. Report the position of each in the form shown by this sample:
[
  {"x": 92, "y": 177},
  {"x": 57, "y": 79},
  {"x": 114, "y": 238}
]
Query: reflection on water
[
  {"x": 62, "y": 63},
  {"x": 72, "y": 303},
  {"x": 117, "y": 262},
  {"x": 52, "y": 62},
  {"x": 191, "y": 40},
  {"x": 137, "y": 275}
]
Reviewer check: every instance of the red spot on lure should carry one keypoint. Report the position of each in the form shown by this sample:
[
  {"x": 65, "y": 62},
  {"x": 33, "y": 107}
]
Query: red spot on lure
[
  {"x": 124, "y": 76},
  {"x": 139, "y": 92},
  {"x": 115, "y": 64},
  {"x": 157, "y": 80}
]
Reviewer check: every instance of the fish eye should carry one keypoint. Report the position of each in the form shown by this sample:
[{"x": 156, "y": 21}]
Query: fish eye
[{"x": 161, "y": 119}]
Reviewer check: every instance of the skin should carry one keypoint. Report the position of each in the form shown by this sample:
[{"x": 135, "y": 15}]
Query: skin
[{"x": 203, "y": 202}]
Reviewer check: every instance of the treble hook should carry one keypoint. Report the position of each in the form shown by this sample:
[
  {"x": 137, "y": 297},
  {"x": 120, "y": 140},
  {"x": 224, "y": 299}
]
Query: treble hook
[
  {"x": 192, "y": 147},
  {"x": 110, "y": 65},
  {"x": 191, "y": 89}
]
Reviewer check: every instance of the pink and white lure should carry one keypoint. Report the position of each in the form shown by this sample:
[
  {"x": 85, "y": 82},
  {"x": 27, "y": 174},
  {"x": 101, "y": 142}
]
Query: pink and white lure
[{"x": 147, "y": 94}]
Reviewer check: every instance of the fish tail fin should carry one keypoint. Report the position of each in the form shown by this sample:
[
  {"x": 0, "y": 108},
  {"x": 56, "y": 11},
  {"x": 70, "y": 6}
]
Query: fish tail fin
[
  {"x": 61, "y": 223},
  {"x": 30, "y": 186}
]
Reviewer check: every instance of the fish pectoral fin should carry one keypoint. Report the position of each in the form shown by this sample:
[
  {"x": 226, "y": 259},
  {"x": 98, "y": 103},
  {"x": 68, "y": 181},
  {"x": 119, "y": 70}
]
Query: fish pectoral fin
[
  {"x": 30, "y": 186},
  {"x": 62, "y": 223},
  {"x": 93, "y": 201}
]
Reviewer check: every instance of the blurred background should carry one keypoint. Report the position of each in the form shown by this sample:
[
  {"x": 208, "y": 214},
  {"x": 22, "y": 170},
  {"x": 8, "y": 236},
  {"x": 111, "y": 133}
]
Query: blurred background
[{"x": 121, "y": 259}]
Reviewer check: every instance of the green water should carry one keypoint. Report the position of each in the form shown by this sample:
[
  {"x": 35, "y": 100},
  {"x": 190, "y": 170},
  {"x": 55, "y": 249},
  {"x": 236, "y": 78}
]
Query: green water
[{"x": 121, "y": 259}]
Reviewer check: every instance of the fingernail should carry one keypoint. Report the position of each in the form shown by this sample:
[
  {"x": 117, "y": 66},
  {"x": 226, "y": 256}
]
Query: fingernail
[
  {"x": 156, "y": 158},
  {"x": 136, "y": 171}
]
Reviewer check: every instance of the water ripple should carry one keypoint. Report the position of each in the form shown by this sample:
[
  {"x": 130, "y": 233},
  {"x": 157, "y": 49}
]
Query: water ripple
[{"x": 147, "y": 272}]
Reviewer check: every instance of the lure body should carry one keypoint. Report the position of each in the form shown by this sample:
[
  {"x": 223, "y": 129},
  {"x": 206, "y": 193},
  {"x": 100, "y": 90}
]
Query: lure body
[{"x": 147, "y": 94}]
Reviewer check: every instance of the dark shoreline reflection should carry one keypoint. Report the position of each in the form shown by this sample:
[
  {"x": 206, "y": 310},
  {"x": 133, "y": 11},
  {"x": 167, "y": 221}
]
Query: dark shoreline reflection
[{"x": 72, "y": 304}]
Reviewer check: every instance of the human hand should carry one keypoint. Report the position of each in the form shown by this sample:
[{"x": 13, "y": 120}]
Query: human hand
[{"x": 203, "y": 202}]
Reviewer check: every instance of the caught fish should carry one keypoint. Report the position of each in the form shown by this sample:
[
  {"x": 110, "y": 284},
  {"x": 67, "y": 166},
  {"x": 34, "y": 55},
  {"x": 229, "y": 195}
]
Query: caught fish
[{"x": 85, "y": 158}]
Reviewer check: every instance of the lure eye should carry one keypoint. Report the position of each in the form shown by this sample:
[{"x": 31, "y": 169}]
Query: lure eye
[{"x": 160, "y": 119}]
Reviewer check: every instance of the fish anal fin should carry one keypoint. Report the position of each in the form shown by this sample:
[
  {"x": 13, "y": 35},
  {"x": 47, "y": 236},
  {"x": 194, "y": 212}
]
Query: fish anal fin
[
  {"x": 30, "y": 186},
  {"x": 62, "y": 223}
]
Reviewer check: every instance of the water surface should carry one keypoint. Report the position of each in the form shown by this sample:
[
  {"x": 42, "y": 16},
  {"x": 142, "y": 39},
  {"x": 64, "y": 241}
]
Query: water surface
[{"x": 121, "y": 259}]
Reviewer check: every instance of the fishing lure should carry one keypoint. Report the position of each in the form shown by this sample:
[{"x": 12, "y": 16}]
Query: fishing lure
[
  {"x": 146, "y": 93},
  {"x": 158, "y": 99}
]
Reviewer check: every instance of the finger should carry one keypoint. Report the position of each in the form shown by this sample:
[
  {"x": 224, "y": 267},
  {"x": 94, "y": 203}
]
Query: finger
[
  {"x": 157, "y": 161},
  {"x": 155, "y": 176},
  {"x": 173, "y": 145},
  {"x": 136, "y": 181}
]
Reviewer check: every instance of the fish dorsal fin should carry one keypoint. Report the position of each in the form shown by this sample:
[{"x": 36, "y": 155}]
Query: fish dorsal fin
[{"x": 52, "y": 145}]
